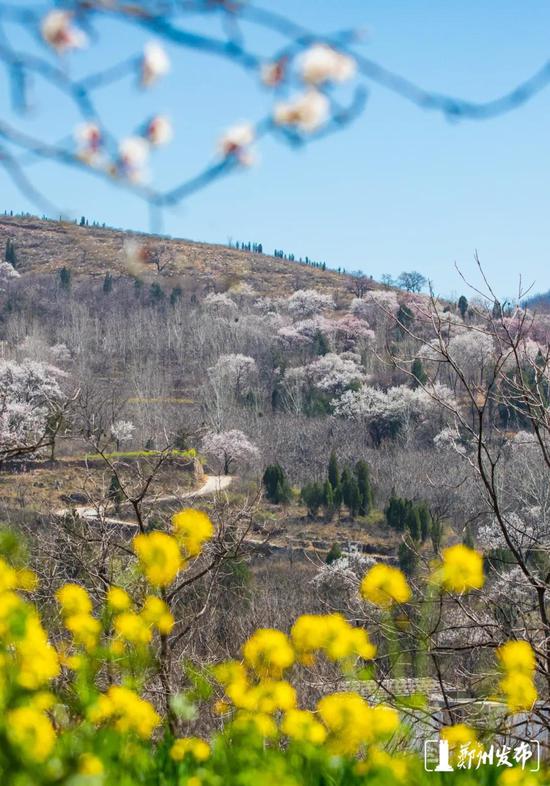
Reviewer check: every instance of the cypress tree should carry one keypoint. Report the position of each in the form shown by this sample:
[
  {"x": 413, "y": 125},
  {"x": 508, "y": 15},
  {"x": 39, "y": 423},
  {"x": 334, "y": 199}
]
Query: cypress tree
[
  {"x": 276, "y": 485},
  {"x": 312, "y": 496},
  {"x": 425, "y": 521},
  {"x": 328, "y": 498},
  {"x": 419, "y": 375},
  {"x": 333, "y": 471},
  {"x": 334, "y": 554},
  {"x": 365, "y": 489},
  {"x": 65, "y": 278},
  {"x": 413, "y": 521}
]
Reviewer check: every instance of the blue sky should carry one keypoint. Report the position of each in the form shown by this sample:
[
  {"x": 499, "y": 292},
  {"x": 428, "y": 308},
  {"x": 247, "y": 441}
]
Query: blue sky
[{"x": 401, "y": 189}]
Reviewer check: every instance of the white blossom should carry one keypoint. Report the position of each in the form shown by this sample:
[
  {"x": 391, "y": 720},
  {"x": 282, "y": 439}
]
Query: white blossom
[
  {"x": 235, "y": 371},
  {"x": 122, "y": 431},
  {"x": 155, "y": 63},
  {"x": 306, "y": 302},
  {"x": 159, "y": 130},
  {"x": 330, "y": 373},
  {"x": 29, "y": 392},
  {"x": 321, "y": 63},
  {"x": 134, "y": 154},
  {"x": 236, "y": 141},
  {"x": 220, "y": 303},
  {"x": 8, "y": 272},
  {"x": 308, "y": 112},
  {"x": 59, "y": 32},
  {"x": 230, "y": 448}
]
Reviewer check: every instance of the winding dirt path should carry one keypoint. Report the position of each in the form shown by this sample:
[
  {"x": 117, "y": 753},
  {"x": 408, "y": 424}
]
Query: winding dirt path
[{"x": 212, "y": 485}]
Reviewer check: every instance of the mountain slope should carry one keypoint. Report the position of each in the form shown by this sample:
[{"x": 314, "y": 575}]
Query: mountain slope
[{"x": 43, "y": 247}]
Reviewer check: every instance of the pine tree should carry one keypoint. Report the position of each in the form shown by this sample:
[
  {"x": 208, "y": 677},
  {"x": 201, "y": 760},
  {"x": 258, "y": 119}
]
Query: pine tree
[
  {"x": 276, "y": 485},
  {"x": 65, "y": 278},
  {"x": 312, "y": 496},
  {"x": 418, "y": 374},
  {"x": 115, "y": 493},
  {"x": 350, "y": 492},
  {"x": 413, "y": 521},
  {"x": 328, "y": 499},
  {"x": 107, "y": 283},
  {"x": 408, "y": 558},
  {"x": 425, "y": 521},
  {"x": 9, "y": 254},
  {"x": 462, "y": 306},
  {"x": 333, "y": 472},
  {"x": 334, "y": 554},
  {"x": 365, "y": 489},
  {"x": 175, "y": 295}
]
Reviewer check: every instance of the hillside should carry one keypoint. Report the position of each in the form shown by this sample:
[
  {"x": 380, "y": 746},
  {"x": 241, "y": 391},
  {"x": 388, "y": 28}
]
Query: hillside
[{"x": 43, "y": 247}]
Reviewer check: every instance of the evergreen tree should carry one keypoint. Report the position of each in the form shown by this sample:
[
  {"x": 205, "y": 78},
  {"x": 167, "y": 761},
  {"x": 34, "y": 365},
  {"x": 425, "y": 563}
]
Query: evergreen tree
[
  {"x": 408, "y": 558},
  {"x": 350, "y": 492},
  {"x": 404, "y": 318},
  {"x": 425, "y": 521},
  {"x": 419, "y": 375},
  {"x": 462, "y": 306},
  {"x": 175, "y": 295},
  {"x": 115, "y": 493},
  {"x": 334, "y": 554},
  {"x": 320, "y": 344},
  {"x": 65, "y": 278},
  {"x": 333, "y": 471},
  {"x": 365, "y": 489},
  {"x": 413, "y": 521},
  {"x": 156, "y": 292},
  {"x": 396, "y": 513},
  {"x": 312, "y": 496},
  {"x": 107, "y": 283},
  {"x": 328, "y": 498},
  {"x": 277, "y": 488},
  {"x": 9, "y": 254}
]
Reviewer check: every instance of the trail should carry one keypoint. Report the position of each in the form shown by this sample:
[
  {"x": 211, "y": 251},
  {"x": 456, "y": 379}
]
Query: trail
[{"x": 212, "y": 485}]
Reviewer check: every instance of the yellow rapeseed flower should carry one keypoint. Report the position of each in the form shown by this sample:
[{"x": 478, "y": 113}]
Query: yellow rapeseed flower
[
  {"x": 159, "y": 557},
  {"x": 194, "y": 746},
  {"x": 131, "y": 627},
  {"x": 85, "y": 629},
  {"x": 519, "y": 691},
  {"x": 30, "y": 731},
  {"x": 73, "y": 599},
  {"x": 155, "y": 612},
  {"x": 26, "y": 580},
  {"x": 36, "y": 659},
  {"x": 8, "y": 576},
  {"x": 384, "y": 721},
  {"x": 272, "y": 696},
  {"x": 348, "y": 720},
  {"x": 517, "y": 656},
  {"x": 118, "y": 599},
  {"x": 128, "y": 711},
  {"x": 461, "y": 569},
  {"x": 269, "y": 652},
  {"x": 192, "y": 528},
  {"x": 303, "y": 726},
  {"x": 88, "y": 764},
  {"x": 385, "y": 585},
  {"x": 458, "y": 734}
]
